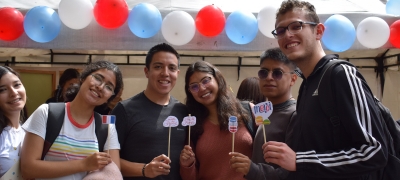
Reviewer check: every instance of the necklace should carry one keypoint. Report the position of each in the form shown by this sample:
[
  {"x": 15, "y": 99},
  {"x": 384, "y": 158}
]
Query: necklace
[{"x": 15, "y": 139}]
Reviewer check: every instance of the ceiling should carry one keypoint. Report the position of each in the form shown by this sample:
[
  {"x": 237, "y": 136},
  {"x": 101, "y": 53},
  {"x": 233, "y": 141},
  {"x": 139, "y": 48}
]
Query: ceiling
[{"x": 97, "y": 40}]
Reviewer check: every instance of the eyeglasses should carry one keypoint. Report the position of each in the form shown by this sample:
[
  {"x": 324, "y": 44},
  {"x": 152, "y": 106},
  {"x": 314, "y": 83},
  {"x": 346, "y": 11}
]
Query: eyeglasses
[
  {"x": 99, "y": 82},
  {"x": 195, "y": 87},
  {"x": 293, "y": 28},
  {"x": 277, "y": 74}
]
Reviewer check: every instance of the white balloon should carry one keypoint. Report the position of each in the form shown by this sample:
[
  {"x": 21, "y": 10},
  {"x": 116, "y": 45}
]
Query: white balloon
[
  {"x": 373, "y": 32},
  {"x": 76, "y": 14},
  {"x": 266, "y": 19},
  {"x": 178, "y": 28}
]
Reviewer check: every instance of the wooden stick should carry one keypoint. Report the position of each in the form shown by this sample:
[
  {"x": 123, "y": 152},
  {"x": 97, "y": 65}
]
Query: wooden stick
[
  {"x": 265, "y": 139},
  {"x": 169, "y": 140},
  {"x": 233, "y": 142},
  {"x": 108, "y": 138},
  {"x": 189, "y": 132}
]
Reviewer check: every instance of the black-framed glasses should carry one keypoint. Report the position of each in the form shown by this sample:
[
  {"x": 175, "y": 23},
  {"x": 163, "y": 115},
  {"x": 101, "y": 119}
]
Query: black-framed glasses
[
  {"x": 277, "y": 74},
  {"x": 195, "y": 87},
  {"x": 293, "y": 28},
  {"x": 100, "y": 81}
]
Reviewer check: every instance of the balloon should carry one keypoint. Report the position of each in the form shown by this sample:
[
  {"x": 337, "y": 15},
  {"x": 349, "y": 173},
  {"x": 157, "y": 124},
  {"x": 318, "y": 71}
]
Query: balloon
[
  {"x": 76, "y": 14},
  {"x": 373, "y": 32},
  {"x": 394, "y": 37},
  {"x": 266, "y": 20},
  {"x": 11, "y": 24},
  {"x": 210, "y": 20},
  {"x": 241, "y": 27},
  {"x": 178, "y": 28},
  {"x": 144, "y": 20},
  {"x": 111, "y": 13},
  {"x": 393, "y": 7},
  {"x": 339, "y": 34},
  {"x": 42, "y": 24}
]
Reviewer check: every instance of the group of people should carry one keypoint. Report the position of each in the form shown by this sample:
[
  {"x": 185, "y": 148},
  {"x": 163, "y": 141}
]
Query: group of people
[{"x": 299, "y": 141}]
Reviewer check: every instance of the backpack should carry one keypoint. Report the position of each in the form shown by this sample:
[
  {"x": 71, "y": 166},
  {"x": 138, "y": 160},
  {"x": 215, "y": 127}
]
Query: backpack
[
  {"x": 250, "y": 125},
  {"x": 391, "y": 128},
  {"x": 55, "y": 120}
]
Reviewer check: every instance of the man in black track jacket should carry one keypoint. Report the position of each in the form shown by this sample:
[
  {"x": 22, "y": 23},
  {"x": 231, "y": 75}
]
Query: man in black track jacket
[{"x": 362, "y": 148}]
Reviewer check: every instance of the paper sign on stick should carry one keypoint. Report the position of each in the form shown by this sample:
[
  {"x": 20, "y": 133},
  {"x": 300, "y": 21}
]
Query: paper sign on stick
[
  {"x": 108, "y": 119},
  {"x": 171, "y": 121},
  {"x": 233, "y": 124},
  {"x": 189, "y": 121},
  {"x": 262, "y": 111}
]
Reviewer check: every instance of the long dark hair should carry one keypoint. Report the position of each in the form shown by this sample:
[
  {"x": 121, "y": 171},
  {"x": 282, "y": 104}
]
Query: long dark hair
[
  {"x": 227, "y": 104},
  {"x": 249, "y": 90},
  {"x": 92, "y": 67},
  {"x": 67, "y": 75},
  {"x": 4, "y": 121}
]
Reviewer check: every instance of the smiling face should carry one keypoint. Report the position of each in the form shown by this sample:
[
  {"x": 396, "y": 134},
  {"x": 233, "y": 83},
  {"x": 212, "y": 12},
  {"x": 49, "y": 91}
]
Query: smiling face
[
  {"x": 277, "y": 90},
  {"x": 12, "y": 94},
  {"x": 300, "y": 46},
  {"x": 207, "y": 90},
  {"x": 98, "y": 87},
  {"x": 162, "y": 73}
]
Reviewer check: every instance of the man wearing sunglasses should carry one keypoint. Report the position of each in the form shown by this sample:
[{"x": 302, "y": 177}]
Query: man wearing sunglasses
[
  {"x": 140, "y": 121},
  {"x": 314, "y": 153},
  {"x": 276, "y": 80}
]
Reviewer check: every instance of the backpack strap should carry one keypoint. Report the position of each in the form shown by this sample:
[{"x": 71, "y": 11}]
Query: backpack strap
[
  {"x": 327, "y": 98},
  {"x": 55, "y": 120},
  {"x": 101, "y": 131},
  {"x": 250, "y": 123}
]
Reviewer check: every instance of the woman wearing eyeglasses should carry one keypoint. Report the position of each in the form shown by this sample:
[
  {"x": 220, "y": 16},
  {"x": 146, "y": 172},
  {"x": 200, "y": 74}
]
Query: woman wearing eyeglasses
[
  {"x": 211, "y": 101},
  {"x": 74, "y": 153}
]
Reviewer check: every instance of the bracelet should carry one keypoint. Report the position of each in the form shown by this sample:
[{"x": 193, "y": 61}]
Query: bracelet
[{"x": 144, "y": 167}]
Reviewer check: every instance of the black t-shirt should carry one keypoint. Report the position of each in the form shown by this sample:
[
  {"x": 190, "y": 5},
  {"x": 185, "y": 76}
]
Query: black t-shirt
[{"x": 142, "y": 136}]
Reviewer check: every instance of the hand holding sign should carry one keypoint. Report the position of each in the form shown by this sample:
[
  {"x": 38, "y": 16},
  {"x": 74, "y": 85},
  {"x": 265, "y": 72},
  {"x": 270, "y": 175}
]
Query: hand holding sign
[
  {"x": 171, "y": 121},
  {"x": 189, "y": 121},
  {"x": 233, "y": 127},
  {"x": 262, "y": 111}
]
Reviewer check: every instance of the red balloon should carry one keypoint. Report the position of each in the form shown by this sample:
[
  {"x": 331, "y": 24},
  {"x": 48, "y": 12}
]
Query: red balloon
[
  {"x": 394, "y": 37},
  {"x": 111, "y": 13},
  {"x": 11, "y": 24},
  {"x": 210, "y": 20}
]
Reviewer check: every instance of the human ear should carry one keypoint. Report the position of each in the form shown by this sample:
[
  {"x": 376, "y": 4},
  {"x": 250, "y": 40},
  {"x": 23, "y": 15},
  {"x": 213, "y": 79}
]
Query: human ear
[{"x": 320, "y": 29}]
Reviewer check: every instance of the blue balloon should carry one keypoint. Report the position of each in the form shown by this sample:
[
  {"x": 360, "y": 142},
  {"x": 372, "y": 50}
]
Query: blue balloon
[
  {"x": 42, "y": 24},
  {"x": 393, "y": 7},
  {"x": 340, "y": 33},
  {"x": 144, "y": 20},
  {"x": 241, "y": 27}
]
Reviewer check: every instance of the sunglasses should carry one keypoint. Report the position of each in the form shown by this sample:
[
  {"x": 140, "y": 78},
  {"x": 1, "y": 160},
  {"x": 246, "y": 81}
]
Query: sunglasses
[
  {"x": 195, "y": 87},
  {"x": 277, "y": 74}
]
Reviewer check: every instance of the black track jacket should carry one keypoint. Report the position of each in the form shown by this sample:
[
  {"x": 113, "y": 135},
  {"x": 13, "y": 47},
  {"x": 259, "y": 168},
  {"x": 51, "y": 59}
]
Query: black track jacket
[{"x": 363, "y": 148}]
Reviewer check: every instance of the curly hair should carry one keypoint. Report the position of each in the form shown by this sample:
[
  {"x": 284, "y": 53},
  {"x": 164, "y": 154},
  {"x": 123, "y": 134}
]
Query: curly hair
[
  {"x": 92, "y": 67},
  {"x": 290, "y": 5},
  {"x": 227, "y": 104}
]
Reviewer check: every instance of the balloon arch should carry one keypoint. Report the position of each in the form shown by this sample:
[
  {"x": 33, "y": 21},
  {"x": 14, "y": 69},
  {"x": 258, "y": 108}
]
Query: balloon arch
[{"x": 42, "y": 24}]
